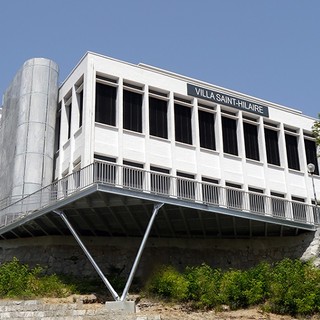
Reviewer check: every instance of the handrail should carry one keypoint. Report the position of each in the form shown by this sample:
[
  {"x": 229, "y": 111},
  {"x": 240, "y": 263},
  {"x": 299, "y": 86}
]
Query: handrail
[{"x": 158, "y": 184}]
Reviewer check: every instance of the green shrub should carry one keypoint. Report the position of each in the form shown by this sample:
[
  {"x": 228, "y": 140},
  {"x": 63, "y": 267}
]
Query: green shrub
[
  {"x": 168, "y": 283},
  {"x": 19, "y": 281},
  {"x": 294, "y": 288},
  {"x": 232, "y": 289},
  {"x": 204, "y": 285},
  {"x": 257, "y": 290},
  {"x": 288, "y": 287}
]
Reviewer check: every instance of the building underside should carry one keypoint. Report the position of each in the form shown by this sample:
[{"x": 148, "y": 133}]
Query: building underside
[{"x": 101, "y": 210}]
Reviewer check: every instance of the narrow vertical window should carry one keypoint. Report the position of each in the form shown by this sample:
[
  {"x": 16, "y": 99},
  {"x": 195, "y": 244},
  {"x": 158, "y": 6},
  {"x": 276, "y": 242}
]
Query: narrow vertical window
[
  {"x": 158, "y": 122},
  {"x": 229, "y": 135},
  {"x": 132, "y": 111},
  {"x": 292, "y": 152},
  {"x": 105, "y": 109},
  {"x": 272, "y": 147},
  {"x": 182, "y": 121},
  {"x": 57, "y": 129},
  {"x": 80, "y": 106},
  {"x": 68, "y": 113},
  {"x": 251, "y": 141},
  {"x": 206, "y": 130},
  {"x": 311, "y": 154}
]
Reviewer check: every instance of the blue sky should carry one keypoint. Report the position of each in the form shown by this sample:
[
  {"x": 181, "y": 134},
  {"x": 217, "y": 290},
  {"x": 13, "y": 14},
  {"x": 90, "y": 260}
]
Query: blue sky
[{"x": 266, "y": 48}]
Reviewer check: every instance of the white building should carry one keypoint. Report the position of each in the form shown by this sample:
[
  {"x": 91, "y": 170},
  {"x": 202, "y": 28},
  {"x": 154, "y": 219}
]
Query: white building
[
  {"x": 157, "y": 132},
  {"x": 116, "y": 139}
]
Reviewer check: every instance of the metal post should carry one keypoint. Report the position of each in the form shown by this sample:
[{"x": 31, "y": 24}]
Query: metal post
[
  {"x": 315, "y": 199},
  {"x": 96, "y": 267},
  {"x": 156, "y": 208},
  {"x": 311, "y": 169}
]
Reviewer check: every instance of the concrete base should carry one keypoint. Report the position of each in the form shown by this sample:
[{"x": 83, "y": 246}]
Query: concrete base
[{"x": 126, "y": 306}]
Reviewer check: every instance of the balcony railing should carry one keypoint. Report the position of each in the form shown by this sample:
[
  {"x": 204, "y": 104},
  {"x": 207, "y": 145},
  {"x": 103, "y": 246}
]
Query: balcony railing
[{"x": 139, "y": 180}]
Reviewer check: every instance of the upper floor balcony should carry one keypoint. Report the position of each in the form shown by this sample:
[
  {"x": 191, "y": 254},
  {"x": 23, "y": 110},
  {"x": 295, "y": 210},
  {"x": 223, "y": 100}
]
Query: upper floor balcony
[{"x": 195, "y": 202}]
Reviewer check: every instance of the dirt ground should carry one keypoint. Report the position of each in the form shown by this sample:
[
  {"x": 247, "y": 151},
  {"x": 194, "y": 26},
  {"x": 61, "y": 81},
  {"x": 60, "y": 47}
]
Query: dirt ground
[
  {"x": 147, "y": 307},
  {"x": 178, "y": 312}
]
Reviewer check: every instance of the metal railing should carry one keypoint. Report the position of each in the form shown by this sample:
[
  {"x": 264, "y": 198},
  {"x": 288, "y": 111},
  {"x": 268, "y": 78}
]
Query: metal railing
[{"x": 161, "y": 184}]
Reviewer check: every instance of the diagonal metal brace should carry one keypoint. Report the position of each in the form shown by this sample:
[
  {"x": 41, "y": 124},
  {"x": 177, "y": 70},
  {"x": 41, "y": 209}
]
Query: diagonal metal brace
[
  {"x": 156, "y": 208},
  {"x": 96, "y": 267}
]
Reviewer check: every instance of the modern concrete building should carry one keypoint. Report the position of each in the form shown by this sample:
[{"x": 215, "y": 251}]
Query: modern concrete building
[{"x": 116, "y": 140}]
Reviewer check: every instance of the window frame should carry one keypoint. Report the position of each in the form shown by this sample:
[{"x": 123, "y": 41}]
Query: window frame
[
  {"x": 183, "y": 123},
  {"x": 251, "y": 140},
  {"x": 101, "y": 116},
  {"x": 272, "y": 146},
  {"x": 229, "y": 135},
  {"x": 132, "y": 110},
  {"x": 292, "y": 150},
  {"x": 207, "y": 136},
  {"x": 158, "y": 128}
]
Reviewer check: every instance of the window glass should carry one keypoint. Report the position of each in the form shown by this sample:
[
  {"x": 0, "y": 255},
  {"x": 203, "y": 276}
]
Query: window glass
[
  {"x": 132, "y": 111},
  {"x": 57, "y": 129},
  {"x": 182, "y": 121},
  {"x": 206, "y": 130},
  {"x": 311, "y": 154},
  {"x": 229, "y": 135},
  {"x": 68, "y": 112},
  {"x": 158, "y": 117},
  {"x": 292, "y": 152},
  {"x": 80, "y": 106},
  {"x": 251, "y": 141},
  {"x": 105, "y": 110},
  {"x": 272, "y": 147}
]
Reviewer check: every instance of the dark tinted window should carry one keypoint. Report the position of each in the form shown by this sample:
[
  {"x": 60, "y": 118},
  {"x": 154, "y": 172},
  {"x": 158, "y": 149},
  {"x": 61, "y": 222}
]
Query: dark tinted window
[
  {"x": 132, "y": 111},
  {"x": 158, "y": 117},
  {"x": 229, "y": 134},
  {"x": 272, "y": 148},
  {"x": 206, "y": 130},
  {"x": 105, "y": 111},
  {"x": 182, "y": 121},
  {"x": 251, "y": 141}
]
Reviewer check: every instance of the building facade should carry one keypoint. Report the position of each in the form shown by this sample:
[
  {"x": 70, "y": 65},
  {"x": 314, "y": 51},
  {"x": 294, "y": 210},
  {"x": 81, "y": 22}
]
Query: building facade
[
  {"x": 155, "y": 120},
  {"x": 117, "y": 141},
  {"x": 156, "y": 132}
]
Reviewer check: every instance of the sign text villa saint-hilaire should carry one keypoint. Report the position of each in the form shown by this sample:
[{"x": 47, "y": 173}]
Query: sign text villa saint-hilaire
[{"x": 227, "y": 100}]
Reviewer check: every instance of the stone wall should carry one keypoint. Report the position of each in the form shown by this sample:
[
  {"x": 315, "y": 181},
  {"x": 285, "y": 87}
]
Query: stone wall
[
  {"x": 61, "y": 254},
  {"x": 36, "y": 309}
]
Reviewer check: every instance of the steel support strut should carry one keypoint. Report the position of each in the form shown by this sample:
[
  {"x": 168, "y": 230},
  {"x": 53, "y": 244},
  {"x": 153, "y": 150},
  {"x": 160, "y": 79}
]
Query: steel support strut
[
  {"x": 156, "y": 208},
  {"x": 96, "y": 267}
]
